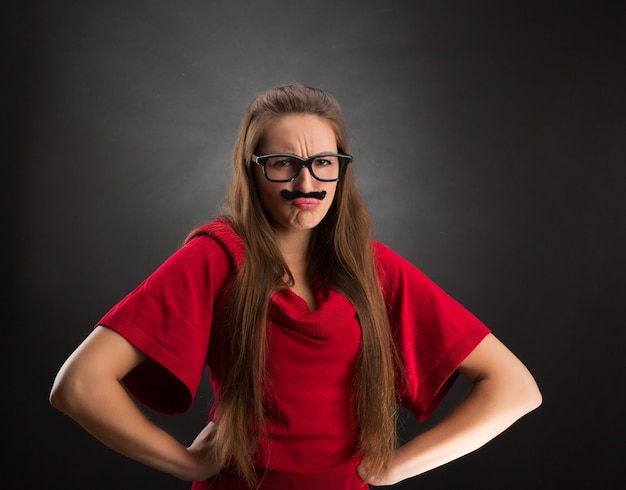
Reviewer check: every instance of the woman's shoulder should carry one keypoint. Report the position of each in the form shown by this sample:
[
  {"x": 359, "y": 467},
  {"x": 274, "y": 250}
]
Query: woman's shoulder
[
  {"x": 394, "y": 269},
  {"x": 387, "y": 257},
  {"x": 219, "y": 232},
  {"x": 220, "y": 226}
]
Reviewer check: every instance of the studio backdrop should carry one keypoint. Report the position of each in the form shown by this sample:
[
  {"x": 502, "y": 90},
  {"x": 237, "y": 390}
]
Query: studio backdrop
[{"x": 488, "y": 142}]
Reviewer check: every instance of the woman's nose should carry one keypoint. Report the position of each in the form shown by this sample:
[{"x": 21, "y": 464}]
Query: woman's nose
[{"x": 305, "y": 182}]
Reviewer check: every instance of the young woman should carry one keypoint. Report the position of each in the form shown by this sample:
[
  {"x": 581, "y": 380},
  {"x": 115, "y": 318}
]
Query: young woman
[{"x": 313, "y": 333}]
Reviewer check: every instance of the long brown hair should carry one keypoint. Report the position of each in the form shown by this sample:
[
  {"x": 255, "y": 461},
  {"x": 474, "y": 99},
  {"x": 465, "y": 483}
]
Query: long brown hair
[{"x": 340, "y": 251}]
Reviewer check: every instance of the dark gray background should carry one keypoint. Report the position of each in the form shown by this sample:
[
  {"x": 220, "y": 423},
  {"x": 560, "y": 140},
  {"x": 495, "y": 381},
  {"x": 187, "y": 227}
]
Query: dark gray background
[{"x": 489, "y": 143}]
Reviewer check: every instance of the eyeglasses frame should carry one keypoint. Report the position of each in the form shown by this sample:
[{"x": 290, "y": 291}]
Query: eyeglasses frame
[{"x": 344, "y": 159}]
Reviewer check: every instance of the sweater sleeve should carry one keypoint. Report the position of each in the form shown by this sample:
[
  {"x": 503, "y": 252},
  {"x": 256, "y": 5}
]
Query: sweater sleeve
[
  {"x": 433, "y": 332},
  {"x": 168, "y": 317}
]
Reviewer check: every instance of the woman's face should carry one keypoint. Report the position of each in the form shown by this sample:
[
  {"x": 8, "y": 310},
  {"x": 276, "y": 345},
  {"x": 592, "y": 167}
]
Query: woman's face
[{"x": 303, "y": 135}]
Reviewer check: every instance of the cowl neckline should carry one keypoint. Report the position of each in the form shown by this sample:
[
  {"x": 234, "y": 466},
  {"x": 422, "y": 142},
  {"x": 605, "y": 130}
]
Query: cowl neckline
[{"x": 292, "y": 313}]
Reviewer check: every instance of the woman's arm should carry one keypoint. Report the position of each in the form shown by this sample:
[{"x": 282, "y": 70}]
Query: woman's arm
[
  {"x": 88, "y": 388},
  {"x": 504, "y": 391}
]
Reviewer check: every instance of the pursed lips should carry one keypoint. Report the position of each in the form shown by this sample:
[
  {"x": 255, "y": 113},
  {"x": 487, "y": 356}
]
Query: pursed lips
[{"x": 305, "y": 203}]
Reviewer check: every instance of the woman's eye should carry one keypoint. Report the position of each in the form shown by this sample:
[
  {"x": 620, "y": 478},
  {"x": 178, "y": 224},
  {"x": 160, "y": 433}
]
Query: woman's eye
[
  {"x": 323, "y": 162},
  {"x": 281, "y": 163}
]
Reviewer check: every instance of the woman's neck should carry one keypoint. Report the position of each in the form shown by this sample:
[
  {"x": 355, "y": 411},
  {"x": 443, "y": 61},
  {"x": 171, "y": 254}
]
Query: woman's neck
[{"x": 294, "y": 245}]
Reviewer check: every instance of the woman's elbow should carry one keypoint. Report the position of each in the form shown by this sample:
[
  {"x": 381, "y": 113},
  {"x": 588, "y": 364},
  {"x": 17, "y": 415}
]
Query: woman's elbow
[
  {"x": 536, "y": 398},
  {"x": 59, "y": 396},
  {"x": 67, "y": 392},
  {"x": 529, "y": 395}
]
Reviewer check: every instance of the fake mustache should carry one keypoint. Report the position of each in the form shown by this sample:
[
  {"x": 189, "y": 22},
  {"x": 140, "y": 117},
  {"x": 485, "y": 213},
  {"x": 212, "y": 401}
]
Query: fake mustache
[{"x": 291, "y": 195}]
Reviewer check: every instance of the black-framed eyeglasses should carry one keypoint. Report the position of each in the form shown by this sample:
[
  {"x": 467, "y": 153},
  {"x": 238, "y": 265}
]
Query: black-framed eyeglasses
[{"x": 285, "y": 167}]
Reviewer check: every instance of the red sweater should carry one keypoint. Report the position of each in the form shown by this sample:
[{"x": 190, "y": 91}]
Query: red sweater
[{"x": 311, "y": 442}]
